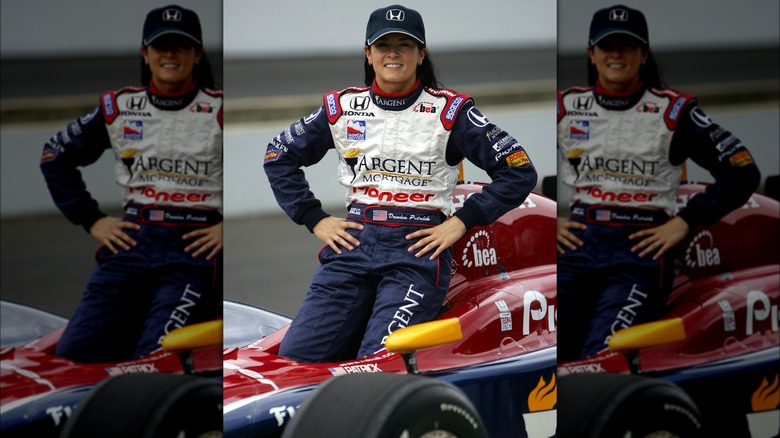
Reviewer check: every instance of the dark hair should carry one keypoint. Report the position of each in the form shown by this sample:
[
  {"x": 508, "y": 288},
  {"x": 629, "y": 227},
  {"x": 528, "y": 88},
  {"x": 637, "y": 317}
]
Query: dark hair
[
  {"x": 202, "y": 72},
  {"x": 649, "y": 72},
  {"x": 426, "y": 72}
]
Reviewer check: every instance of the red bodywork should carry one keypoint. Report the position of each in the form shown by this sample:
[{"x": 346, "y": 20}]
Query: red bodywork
[
  {"x": 726, "y": 292},
  {"x": 502, "y": 290},
  {"x": 31, "y": 373}
]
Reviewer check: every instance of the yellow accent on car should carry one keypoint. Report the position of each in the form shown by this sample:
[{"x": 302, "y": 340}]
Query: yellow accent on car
[
  {"x": 651, "y": 334},
  {"x": 193, "y": 336},
  {"x": 425, "y": 335}
]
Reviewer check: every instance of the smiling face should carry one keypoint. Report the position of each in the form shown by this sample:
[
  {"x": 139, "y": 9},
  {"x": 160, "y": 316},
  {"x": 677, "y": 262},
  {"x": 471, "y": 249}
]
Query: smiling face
[
  {"x": 172, "y": 60},
  {"x": 618, "y": 59},
  {"x": 395, "y": 58}
]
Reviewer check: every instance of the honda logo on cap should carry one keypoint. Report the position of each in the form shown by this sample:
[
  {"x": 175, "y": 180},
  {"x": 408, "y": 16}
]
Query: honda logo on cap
[
  {"x": 172, "y": 15},
  {"x": 618, "y": 15},
  {"x": 395, "y": 15}
]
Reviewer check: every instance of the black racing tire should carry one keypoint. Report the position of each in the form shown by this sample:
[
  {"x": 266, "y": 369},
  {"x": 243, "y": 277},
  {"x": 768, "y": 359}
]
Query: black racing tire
[
  {"x": 378, "y": 405},
  {"x": 149, "y": 406},
  {"x": 617, "y": 405}
]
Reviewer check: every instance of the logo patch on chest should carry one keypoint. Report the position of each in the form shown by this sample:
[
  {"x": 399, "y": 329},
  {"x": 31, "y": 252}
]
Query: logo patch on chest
[
  {"x": 579, "y": 130},
  {"x": 133, "y": 130},
  {"x": 356, "y": 130}
]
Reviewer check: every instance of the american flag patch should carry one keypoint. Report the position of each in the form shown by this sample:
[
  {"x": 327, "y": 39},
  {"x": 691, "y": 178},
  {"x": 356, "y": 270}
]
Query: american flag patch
[
  {"x": 379, "y": 215},
  {"x": 603, "y": 215},
  {"x": 156, "y": 215},
  {"x": 338, "y": 371}
]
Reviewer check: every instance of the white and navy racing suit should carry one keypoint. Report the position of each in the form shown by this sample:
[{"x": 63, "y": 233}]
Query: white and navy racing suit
[
  {"x": 622, "y": 158},
  {"x": 168, "y": 153},
  {"x": 398, "y": 159}
]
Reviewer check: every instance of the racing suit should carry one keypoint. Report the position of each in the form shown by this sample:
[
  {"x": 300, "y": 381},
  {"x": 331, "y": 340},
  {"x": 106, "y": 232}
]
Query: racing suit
[
  {"x": 398, "y": 158},
  {"x": 622, "y": 157},
  {"x": 169, "y": 165}
]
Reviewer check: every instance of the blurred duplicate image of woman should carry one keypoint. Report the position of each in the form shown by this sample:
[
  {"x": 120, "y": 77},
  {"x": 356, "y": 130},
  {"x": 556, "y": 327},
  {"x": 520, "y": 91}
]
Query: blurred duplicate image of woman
[
  {"x": 622, "y": 143},
  {"x": 400, "y": 139},
  {"x": 159, "y": 266}
]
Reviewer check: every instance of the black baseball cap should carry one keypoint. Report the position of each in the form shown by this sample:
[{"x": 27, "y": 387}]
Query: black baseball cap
[
  {"x": 395, "y": 19},
  {"x": 618, "y": 19},
  {"x": 172, "y": 19}
]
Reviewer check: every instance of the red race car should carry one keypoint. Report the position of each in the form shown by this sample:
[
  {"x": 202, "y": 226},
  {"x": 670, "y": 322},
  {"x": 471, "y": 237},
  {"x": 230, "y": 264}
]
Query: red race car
[
  {"x": 711, "y": 366},
  {"x": 485, "y": 366},
  {"x": 174, "y": 390}
]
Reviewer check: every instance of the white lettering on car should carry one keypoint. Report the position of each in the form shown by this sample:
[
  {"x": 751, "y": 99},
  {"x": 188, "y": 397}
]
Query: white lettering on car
[
  {"x": 759, "y": 308},
  {"x": 56, "y": 413},
  {"x": 281, "y": 413},
  {"x": 530, "y": 297}
]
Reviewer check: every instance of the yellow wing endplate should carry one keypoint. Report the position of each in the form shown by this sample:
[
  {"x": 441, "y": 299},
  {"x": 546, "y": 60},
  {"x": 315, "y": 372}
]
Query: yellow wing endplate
[
  {"x": 651, "y": 334},
  {"x": 425, "y": 335},
  {"x": 193, "y": 336}
]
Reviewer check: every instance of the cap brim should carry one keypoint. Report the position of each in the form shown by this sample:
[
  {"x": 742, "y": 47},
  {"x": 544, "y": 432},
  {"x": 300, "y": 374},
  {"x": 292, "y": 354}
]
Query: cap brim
[
  {"x": 383, "y": 32},
  {"x": 162, "y": 32},
  {"x": 609, "y": 32}
]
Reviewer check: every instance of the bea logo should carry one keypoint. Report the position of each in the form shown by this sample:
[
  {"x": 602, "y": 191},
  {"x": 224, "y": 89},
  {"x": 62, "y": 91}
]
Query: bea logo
[
  {"x": 702, "y": 251},
  {"x": 478, "y": 251}
]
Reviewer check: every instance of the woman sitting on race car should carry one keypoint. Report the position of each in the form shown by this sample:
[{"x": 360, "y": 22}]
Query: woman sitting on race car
[
  {"x": 622, "y": 143},
  {"x": 159, "y": 266},
  {"x": 399, "y": 142}
]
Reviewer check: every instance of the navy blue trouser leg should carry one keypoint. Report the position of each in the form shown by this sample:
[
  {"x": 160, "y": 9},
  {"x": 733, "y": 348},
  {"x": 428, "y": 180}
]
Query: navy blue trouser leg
[{"x": 357, "y": 297}]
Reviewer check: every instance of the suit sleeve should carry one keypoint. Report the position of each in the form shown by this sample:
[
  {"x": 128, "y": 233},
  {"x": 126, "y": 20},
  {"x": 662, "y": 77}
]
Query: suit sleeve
[
  {"x": 720, "y": 152},
  {"x": 81, "y": 143},
  {"x": 506, "y": 162},
  {"x": 304, "y": 143}
]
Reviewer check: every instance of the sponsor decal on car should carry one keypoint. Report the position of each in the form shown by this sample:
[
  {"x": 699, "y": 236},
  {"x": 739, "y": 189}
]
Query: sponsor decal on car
[
  {"x": 760, "y": 309},
  {"x": 542, "y": 418},
  {"x": 59, "y": 413},
  {"x": 764, "y": 421},
  {"x": 478, "y": 251},
  {"x": 283, "y": 413},
  {"x": 355, "y": 369},
  {"x": 536, "y": 308},
  {"x": 702, "y": 251},
  {"x": 729, "y": 319}
]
